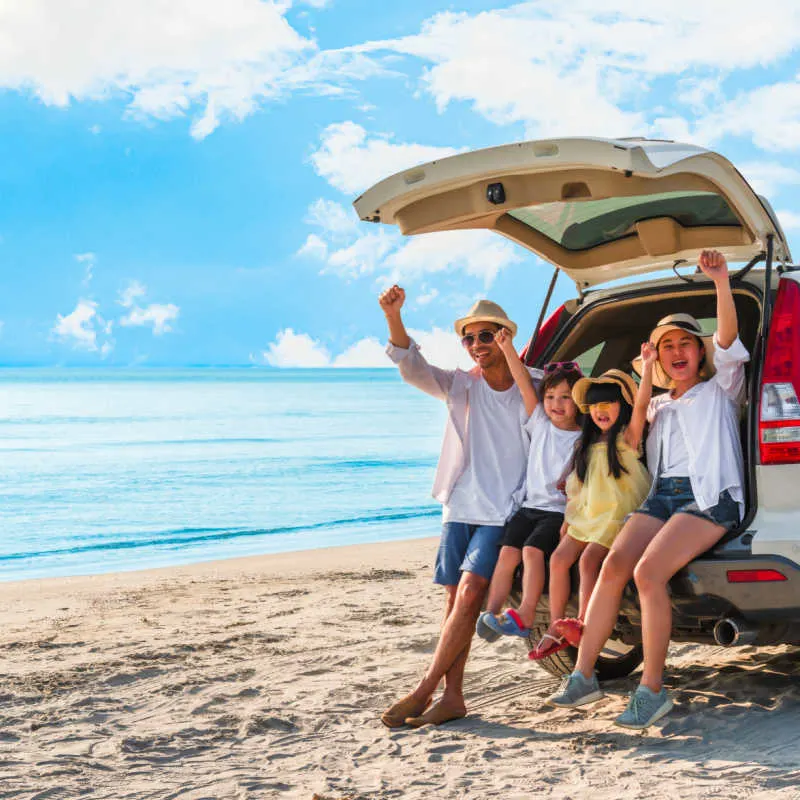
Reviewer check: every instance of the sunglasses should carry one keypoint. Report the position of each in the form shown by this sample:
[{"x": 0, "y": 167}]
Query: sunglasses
[
  {"x": 564, "y": 366},
  {"x": 601, "y": 407},
  {"x": 484, "y": 337}
]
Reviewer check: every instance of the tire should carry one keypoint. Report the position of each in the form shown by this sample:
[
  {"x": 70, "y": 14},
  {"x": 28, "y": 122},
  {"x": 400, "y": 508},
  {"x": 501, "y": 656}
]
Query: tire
[{"x": 617, "y": 660}]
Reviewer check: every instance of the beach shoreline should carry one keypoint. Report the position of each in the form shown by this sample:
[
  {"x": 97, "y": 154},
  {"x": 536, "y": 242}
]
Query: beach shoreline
[{"x": 264, "y": 677}]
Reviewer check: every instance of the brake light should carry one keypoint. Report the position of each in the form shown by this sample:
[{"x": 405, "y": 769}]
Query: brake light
[
  {"x": 755, "y": 576},
  {"x": 779, "y": 414},
  {"x": 546, "y": 333}
]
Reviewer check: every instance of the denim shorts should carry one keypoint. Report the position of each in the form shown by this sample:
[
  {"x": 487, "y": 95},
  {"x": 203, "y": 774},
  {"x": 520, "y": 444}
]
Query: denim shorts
[
  {"x": 466, "y": 548},
  {"x": 675, "y": 496}
]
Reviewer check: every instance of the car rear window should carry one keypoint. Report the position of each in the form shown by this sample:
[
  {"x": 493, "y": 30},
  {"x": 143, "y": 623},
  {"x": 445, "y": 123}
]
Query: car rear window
[{"x": 583, "y": 224}]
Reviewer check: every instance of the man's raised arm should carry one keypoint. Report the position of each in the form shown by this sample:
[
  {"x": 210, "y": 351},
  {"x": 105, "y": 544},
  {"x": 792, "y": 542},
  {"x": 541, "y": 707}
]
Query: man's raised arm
[{"x": 405, "y": 353}]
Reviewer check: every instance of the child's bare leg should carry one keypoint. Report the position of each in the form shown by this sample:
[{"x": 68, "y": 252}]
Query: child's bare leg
[
  {"x": 503, "y": 577},
  {"x": 589, "y": 567},
  {"x": 532, "y": 584},
  {"x": 565, "y": 555}
]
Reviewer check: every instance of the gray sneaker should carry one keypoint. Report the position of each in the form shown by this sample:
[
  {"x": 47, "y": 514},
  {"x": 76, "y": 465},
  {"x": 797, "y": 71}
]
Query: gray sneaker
[
  {"x": 644, "y": 708},
  {"x": 575, "y": 690}
]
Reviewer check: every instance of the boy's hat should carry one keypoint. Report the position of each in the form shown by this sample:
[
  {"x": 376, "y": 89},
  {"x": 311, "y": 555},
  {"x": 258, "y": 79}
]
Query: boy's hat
[
  {"x": 614, "y": 376},
  {"x": 486, "y": 311},
  {"x": 678, "y": 322}
]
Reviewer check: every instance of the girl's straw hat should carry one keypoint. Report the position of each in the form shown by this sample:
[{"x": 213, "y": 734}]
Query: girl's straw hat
[
  {"x": 615, "y": 376},
  {"x": 678, "y": 322},
  {"x": 486, "y": 311}
]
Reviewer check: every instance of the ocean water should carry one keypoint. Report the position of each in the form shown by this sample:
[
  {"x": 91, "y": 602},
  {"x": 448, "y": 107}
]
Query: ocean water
[{"x": 111, "y": 470}]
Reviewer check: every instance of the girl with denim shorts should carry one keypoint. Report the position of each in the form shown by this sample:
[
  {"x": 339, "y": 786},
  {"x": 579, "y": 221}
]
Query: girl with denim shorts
[{"x": 694, "y": 452}]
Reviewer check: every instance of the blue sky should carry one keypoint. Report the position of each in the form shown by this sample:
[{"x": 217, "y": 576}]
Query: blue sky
[{"x": 176, "y": 175}]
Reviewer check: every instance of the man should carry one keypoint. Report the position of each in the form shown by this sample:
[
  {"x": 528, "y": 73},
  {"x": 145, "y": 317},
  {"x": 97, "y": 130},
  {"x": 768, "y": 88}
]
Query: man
[{"x": 479, "y": 481}]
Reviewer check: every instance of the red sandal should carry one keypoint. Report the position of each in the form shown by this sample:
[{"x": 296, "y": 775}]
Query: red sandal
[
  {"x": 570, "y": 629},
  {"x": 548, "y": 645}
]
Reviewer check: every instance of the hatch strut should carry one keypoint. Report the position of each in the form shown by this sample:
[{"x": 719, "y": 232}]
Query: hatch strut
[
  {"x": 766, "y": 310},
  {"x": 545, "y": 304}
]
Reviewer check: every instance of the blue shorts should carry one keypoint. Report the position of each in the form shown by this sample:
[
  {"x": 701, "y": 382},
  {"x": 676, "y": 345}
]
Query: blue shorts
[
  {"x": 466, "y": 548},
  {"x": 675, "y": 496}
]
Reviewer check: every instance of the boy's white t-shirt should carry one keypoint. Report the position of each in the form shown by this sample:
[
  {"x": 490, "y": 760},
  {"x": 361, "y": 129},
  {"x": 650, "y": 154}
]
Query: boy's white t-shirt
[
  {"x": 549, "y": 459},
  {"x": 487, "y": 492}
]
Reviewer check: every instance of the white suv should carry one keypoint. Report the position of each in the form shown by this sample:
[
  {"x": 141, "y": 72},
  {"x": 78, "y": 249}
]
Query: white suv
[{"x": 600, "y": 210}]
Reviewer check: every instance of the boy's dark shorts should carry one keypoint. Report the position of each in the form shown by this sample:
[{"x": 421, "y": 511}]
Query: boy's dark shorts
[{"x": 530, "y": 527}]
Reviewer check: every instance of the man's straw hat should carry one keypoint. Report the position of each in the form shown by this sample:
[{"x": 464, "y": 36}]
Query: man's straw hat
[{"x": 486, "y": 311}]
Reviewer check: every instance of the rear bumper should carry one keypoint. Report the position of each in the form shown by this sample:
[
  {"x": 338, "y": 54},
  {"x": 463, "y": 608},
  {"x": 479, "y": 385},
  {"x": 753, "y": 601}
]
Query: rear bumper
[{"x": 703, "y": 590}]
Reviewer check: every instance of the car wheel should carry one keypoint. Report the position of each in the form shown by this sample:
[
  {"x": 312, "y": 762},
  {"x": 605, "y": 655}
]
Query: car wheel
[{"x": 616, "y": 660}]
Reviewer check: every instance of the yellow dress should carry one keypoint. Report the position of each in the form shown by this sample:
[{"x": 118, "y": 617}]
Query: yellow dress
[{"x": 597, "y": 507}]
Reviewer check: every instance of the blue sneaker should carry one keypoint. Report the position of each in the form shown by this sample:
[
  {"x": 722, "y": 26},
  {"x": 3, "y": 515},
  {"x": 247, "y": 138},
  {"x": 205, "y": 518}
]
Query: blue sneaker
[
  {"x": 644, "y": 708},
  {"x": 575, "y": 690},
  {"x": 483, "y": 629},
  {"x": 508, "y": 623}
]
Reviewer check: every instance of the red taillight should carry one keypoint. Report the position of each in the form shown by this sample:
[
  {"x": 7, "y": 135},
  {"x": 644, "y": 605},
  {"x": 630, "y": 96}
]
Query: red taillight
[
  {"x": 779, "y": 414},
  {"x": 546, "y": 333},
  {"x": 755, "y": 576}
]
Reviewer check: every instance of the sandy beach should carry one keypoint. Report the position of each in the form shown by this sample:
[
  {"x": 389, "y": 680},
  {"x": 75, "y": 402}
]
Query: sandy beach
[{"x": 264, "y": 677}]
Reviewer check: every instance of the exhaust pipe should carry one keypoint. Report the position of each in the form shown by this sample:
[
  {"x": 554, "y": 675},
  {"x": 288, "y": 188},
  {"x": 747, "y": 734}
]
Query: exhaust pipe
[{"x": 730, "y": 632}]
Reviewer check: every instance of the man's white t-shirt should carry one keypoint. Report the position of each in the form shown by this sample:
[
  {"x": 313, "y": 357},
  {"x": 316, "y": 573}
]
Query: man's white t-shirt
[
  {"x": 549, "y": 459},
  {"x": 496, "y": 452}
]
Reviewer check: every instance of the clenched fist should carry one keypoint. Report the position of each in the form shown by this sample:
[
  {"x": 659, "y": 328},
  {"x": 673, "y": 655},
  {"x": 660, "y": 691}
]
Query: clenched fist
[
  {"x": 649, "y": 354},
  {"x": 391, "y": 301},
  {"x": 505, "y": 341},
  {"x": 713, "y": 264}
]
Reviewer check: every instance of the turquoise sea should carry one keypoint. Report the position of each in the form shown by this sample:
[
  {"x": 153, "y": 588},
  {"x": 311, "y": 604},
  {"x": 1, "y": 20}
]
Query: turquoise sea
[{"x": 107, "y": 470}]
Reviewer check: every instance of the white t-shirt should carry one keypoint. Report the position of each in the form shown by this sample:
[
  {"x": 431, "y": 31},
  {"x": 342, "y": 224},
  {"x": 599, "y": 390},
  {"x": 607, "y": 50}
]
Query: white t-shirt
[
  {"x": 496, "y": 451},
  {"x": 549, "y": 459},
  {"x": 674, "y": 455}
]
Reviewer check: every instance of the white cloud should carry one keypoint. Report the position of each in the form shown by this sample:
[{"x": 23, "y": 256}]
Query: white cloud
[
  {"x": 80, "y": 328},
  {"x": 291, "y": 349},
  {"x": 351, "y": 160},
  {"x": 442, "y": 348},
  {"x": 392, "y": 258},
  {"x": 158, "y": 315},
  {"x": 333, "y": 218},
  {"x": 131, "y": 293},
  {"x": 88, "y": 260},
  {"x": 351, "y": 250},
  {"x": 314, "y": 247},
  {"x": 367, "y": 352},
  {"x": 363, "y": 256},
  {"x": 768, "y": 115},
  {"x": 769, "y": 177},
  {"x": 586, "y": 67},
  {"x": 427, "y": 296},
  {"x": 166, "y": 57},
  {"x": 790, "y": 220},
  {"x": 481, "y": 254}
]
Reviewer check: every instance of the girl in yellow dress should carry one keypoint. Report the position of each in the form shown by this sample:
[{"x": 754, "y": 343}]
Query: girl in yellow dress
[{"x": 608, "y": 482}]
